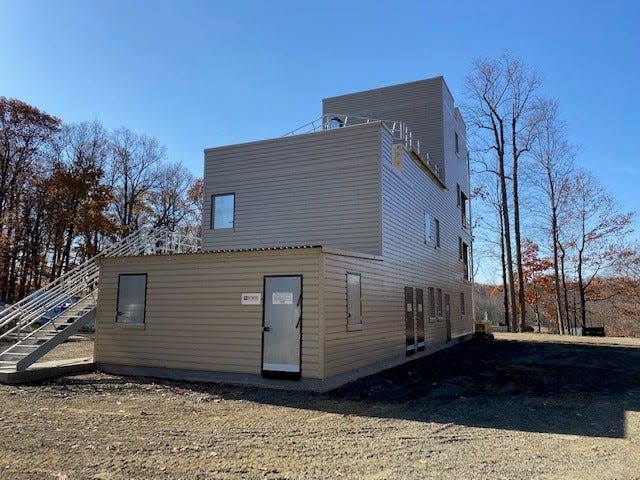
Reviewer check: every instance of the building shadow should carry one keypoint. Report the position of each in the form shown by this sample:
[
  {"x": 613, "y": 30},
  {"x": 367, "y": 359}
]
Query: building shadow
[{"x": 564, "y": 388}]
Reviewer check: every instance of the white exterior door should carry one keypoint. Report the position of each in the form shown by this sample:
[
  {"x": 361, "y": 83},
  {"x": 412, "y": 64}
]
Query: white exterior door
[{"x": 282, "y": 326}]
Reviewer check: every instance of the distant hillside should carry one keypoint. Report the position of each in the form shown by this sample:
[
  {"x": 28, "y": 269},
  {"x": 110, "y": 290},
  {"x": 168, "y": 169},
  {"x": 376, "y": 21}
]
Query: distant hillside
[{"x": 619, "y": 312}]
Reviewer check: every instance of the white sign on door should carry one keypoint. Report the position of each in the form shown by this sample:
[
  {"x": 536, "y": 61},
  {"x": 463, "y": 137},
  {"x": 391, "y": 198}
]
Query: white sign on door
[
  {"x": 282, "y": 298},
  {"x": 251, "y": 298}
]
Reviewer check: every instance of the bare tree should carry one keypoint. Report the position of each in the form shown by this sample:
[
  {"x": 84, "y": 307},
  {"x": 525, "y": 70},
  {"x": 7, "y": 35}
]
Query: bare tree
[
  {"x": 599, "y": 235},
  {"x": 169, "y": 205},
  {"x": 553, "y": 167},
  {"x": 133, "y": 174},
  {"x": 487, "y": 112},
  {"x": 524, "y": 118}
]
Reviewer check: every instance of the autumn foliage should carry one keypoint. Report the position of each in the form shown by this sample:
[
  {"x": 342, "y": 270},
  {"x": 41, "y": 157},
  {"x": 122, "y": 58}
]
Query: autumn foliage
[{"x": 66, "y": 191}]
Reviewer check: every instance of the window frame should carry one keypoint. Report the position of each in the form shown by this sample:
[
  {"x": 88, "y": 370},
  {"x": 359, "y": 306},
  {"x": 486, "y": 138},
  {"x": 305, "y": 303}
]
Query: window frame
[
  {"x": 351, "y": 326},
  {"x": 144, "y": 305},
  {"x": 213, "y": 211}
]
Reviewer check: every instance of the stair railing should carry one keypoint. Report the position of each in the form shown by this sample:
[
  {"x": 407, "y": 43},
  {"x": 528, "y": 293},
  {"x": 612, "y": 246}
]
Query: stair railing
[{"x": 75, "y": 282}]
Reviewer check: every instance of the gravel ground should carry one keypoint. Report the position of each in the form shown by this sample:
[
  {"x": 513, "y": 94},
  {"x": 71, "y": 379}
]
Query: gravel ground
[{"x": 525, "y": 407}]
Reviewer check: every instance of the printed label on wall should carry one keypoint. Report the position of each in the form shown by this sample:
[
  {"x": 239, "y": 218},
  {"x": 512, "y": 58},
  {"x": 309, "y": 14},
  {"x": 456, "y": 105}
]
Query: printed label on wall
[
  {"x": 398, "y": 150},
  {"x": 251, "y": 298},
  {"x": 409, "y": 307},
  {"x": 282, "y": 298}
]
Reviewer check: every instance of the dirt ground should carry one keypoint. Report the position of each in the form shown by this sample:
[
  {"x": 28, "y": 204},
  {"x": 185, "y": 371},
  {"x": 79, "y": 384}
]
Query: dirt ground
[{"x": 528, "y": 406}]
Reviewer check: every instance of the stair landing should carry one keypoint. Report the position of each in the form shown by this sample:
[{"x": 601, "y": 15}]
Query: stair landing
[{"x": 44, "y": 370}]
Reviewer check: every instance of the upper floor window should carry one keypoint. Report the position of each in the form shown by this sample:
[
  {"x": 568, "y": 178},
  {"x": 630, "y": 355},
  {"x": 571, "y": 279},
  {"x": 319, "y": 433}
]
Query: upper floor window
[
  {"x": 457, "y": 143},
  {"x": 463, "y": 208},
  {"x": 223, "y": 211},
  {"x": 431, "y": 230},
  {"x": 465, "y": 261}
]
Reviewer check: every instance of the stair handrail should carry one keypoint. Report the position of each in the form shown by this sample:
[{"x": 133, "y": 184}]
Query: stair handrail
[
  {"x": 48, "y": 324},
  {"x": 35, "y": 315},
  {"x": 31, "y": 308},
  {"x": 115, "y": 248}
]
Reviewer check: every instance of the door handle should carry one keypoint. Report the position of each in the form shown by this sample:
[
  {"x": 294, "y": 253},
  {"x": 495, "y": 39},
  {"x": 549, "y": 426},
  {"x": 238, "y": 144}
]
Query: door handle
[{"x": 266, "y": 329}]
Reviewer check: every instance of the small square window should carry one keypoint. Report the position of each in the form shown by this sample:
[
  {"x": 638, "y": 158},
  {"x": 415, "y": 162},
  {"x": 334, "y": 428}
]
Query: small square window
[{"x": 223, "y": 211}]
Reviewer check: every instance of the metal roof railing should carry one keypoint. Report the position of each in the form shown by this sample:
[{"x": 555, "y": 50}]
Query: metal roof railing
[{"x": 399, "y": 131}]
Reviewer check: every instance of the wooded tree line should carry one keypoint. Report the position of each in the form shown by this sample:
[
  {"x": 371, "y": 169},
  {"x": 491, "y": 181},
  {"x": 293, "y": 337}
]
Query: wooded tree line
[
  {"x": 555, "y": 232},
  {"x": 67, "y": 190}
]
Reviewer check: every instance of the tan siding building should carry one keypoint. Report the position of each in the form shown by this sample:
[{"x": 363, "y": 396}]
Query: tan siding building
[{"x": 326, "y": 256}]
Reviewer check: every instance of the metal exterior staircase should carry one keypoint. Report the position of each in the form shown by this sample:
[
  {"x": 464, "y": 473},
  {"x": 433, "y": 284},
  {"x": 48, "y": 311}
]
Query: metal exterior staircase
[{"x": 48, "y": 317}]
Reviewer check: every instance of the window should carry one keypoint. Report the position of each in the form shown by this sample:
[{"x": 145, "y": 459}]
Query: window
[
  {"x": 432, "y": 304},
  {"x": 462, "y": 308},
  {"x": 460, "y": 248},
  {"x": 457, "y": 142},
  {"x": 439, "y": 303},
  {"x": 458, "y": 192},
  {"x": 223, "y": 211},
  {"x": 132, "y": 293},
  {"x": 465, "y": 260},
  {"x": 354, "y": 302},
  {"x": 463, "y": 208},
  {"x": 431, "y": 230}
]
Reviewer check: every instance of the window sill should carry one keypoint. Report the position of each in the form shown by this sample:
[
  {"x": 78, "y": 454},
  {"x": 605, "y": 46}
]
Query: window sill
[
  {"x": 134, "y": 326},
  {"x": 354, "y": 328}
]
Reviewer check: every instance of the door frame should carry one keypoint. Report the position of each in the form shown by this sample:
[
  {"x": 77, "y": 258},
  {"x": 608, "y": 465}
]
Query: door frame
[
  {"x": 447, "y": 316},
  {"x": 271, "y": 373}
]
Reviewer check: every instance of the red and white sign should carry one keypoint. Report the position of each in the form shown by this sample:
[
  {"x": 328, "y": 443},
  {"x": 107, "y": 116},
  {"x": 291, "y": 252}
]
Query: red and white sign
[{"x": 251, "y": 298}]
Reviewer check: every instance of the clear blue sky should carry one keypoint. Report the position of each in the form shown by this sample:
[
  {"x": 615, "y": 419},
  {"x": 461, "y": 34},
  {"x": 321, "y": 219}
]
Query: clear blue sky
[{"x": 200, "y": 74}]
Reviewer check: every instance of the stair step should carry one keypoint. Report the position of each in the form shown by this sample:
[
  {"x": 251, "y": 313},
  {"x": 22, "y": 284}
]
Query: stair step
[{"x": 8, "y": 362}]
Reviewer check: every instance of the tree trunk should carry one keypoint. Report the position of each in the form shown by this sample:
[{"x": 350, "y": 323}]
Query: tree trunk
[
  {"x": 518, "y": 245},
  {"x": 505, "y": 291},
  {"x": 582, "y": 293},
  {"x": 564, "y": 288},
  {"x": 507, "y": 245}
]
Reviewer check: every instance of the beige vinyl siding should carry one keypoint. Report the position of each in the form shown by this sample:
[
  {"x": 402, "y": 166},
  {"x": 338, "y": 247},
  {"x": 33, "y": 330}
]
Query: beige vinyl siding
[
  {"x": 406, "y": 261},
  {"x": 418, "y": 104},
  {"x": 314, "y": 189},
  {"x": 194, "y": 318},
  {"x": 411, "y": 261},
  {"x": 382, "y": 334}
]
